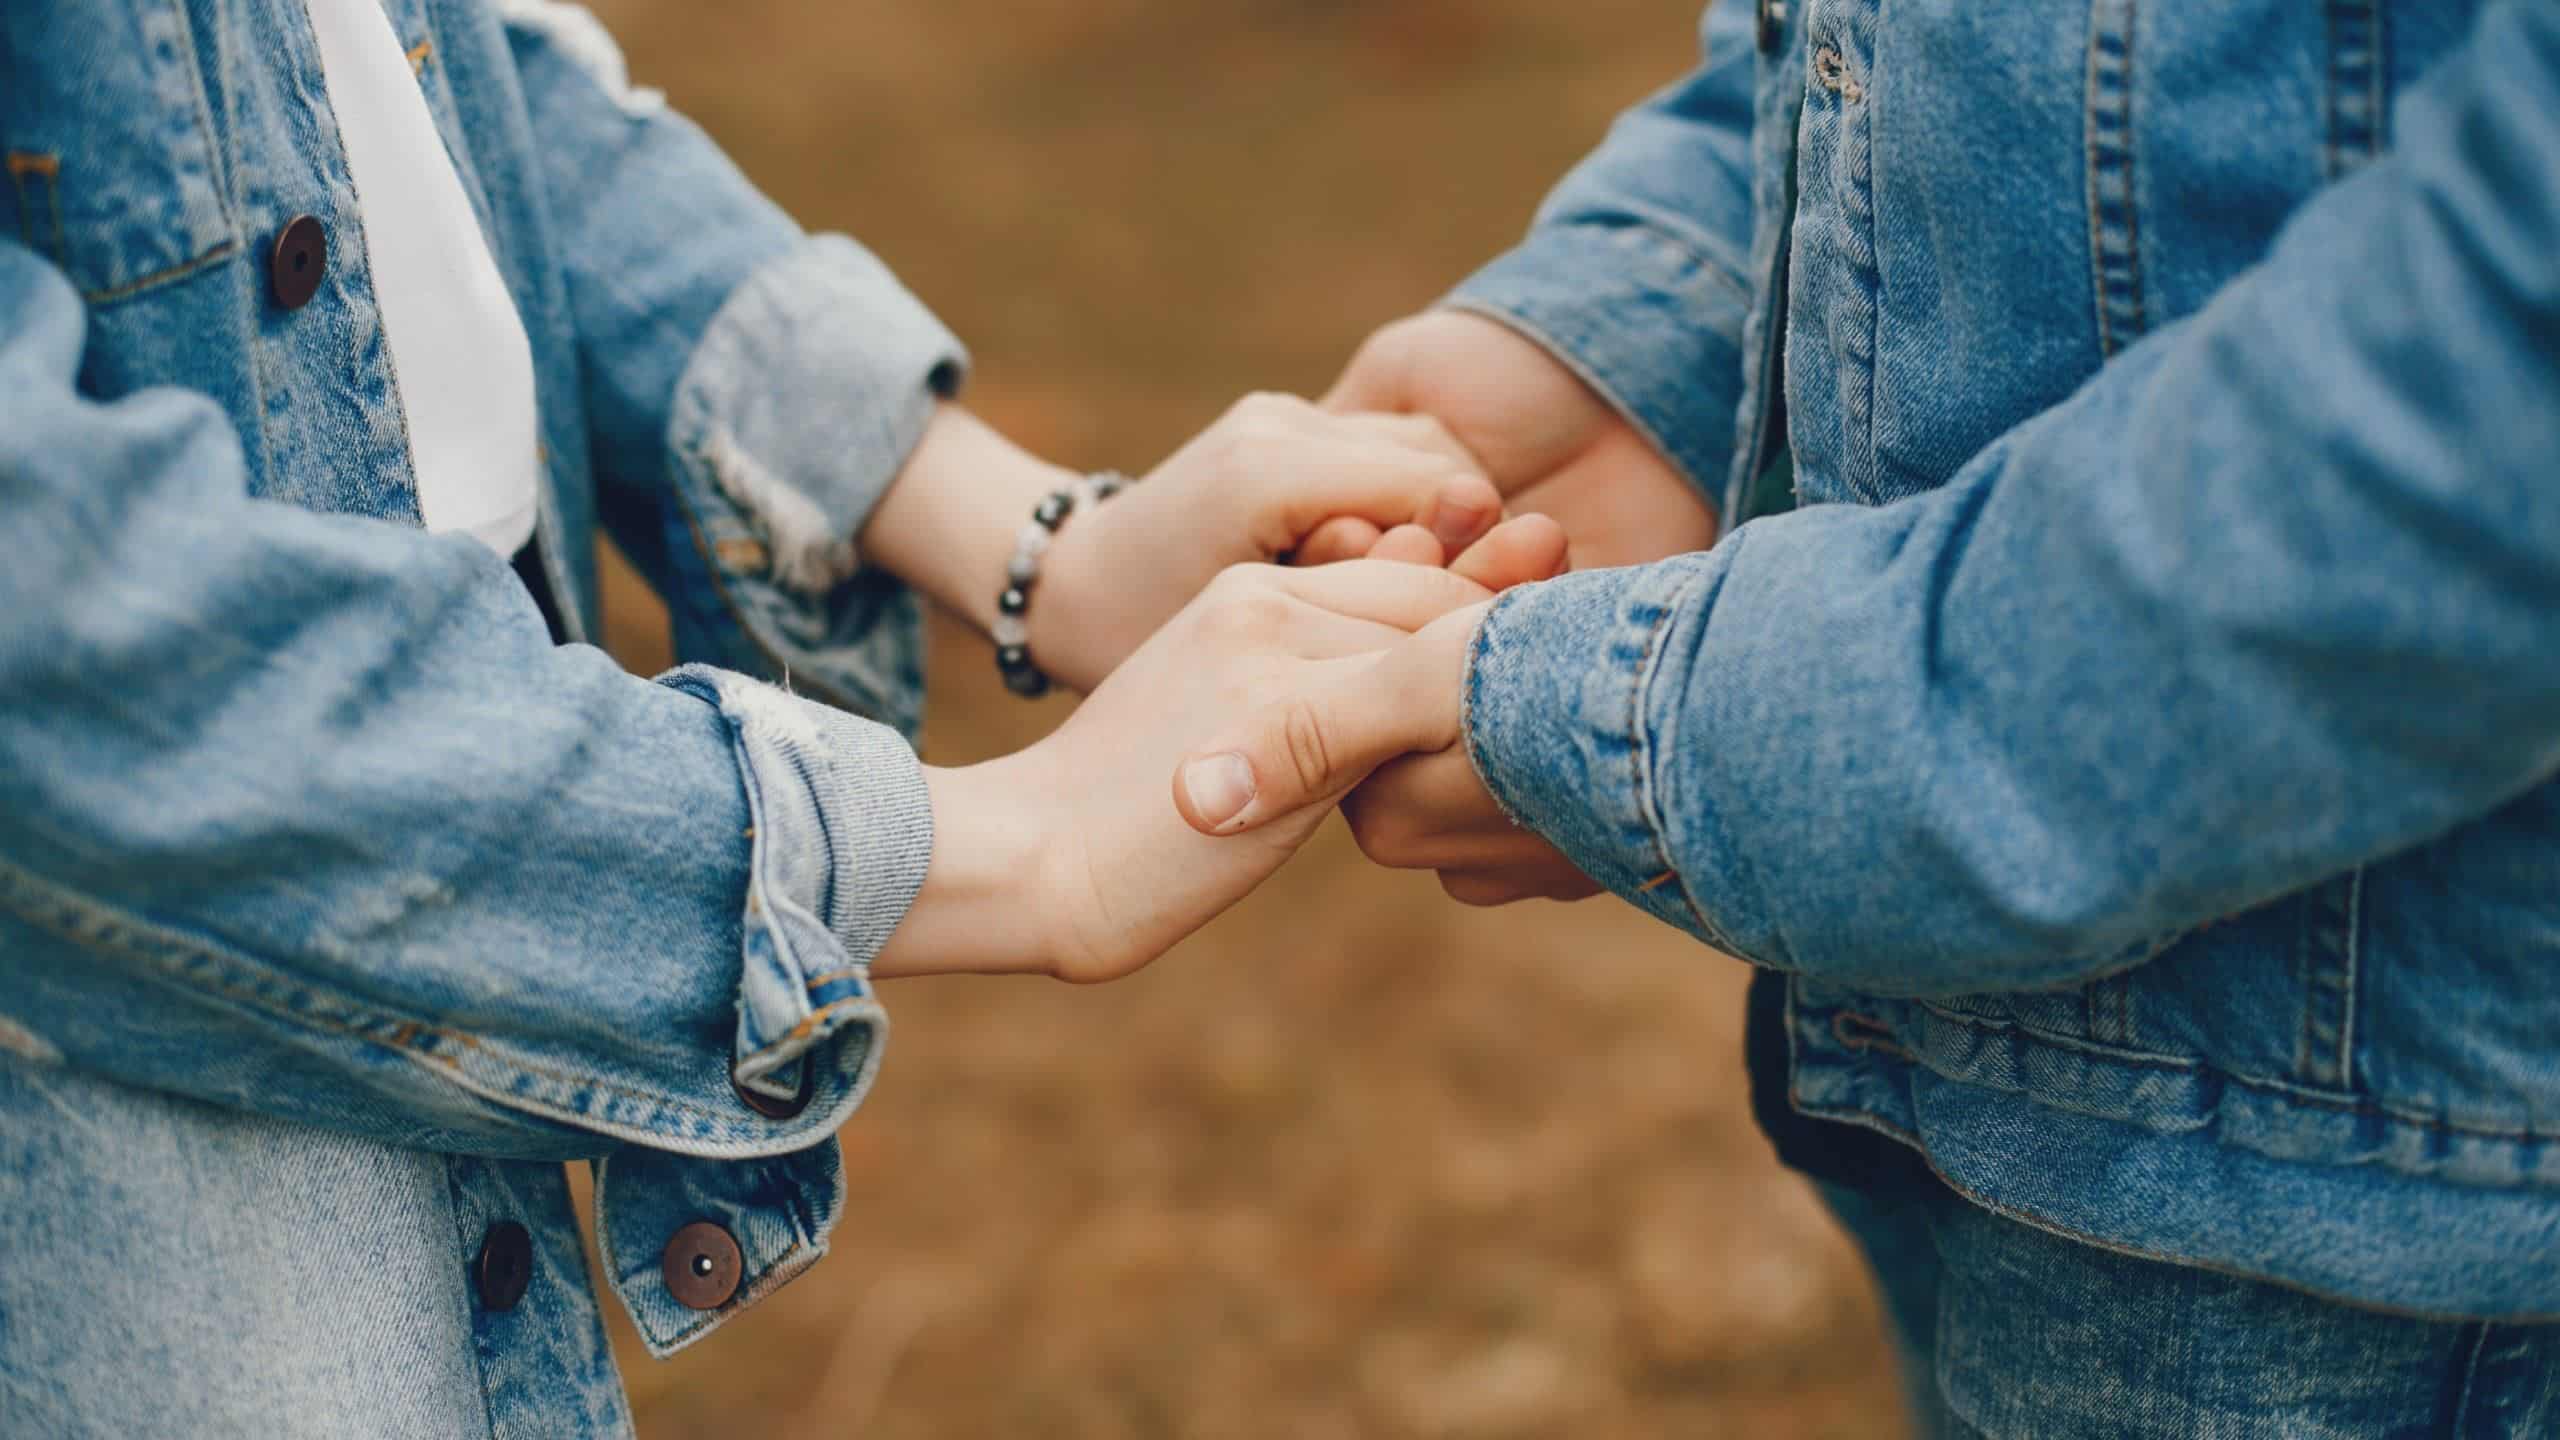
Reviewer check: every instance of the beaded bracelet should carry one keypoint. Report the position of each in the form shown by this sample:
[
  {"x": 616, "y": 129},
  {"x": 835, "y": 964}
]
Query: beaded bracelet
[{"x": 1013, "y": 608}]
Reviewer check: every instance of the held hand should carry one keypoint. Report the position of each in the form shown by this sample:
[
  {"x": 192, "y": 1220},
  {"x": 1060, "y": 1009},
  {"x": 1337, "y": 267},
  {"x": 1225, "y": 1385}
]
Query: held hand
[
  {"x": 1548, "y": 441},
  {"x": 1426, "y": 811},
  {"x": 1250, "y": 488},
  {"x": 1065, "y": 859}
]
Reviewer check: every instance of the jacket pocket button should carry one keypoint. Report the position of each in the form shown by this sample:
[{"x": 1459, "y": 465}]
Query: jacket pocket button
[
  {"x": 505, "y": 1266},
  {"x": 300, "y": 257},
  {"x": 702, "y": 1266}
]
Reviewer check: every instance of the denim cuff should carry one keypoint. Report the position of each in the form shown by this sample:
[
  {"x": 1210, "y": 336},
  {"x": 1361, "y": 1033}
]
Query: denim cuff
[
  {"x": 802, "y": 400},
  {"x": 842, "y": 830},
  {"x": 1558, "y": 721},
  {"x": 1645, "y": 317}
]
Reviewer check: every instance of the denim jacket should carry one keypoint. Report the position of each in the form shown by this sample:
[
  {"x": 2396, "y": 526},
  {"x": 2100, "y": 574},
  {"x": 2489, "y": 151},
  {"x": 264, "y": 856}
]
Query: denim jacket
[
  {"x": 2135, "y": 737},
  {"x": 337, "y": 904}
]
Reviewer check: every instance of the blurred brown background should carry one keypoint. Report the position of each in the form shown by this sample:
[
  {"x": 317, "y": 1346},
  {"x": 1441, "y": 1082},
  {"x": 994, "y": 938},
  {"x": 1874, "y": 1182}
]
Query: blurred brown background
[{"x": 1355, "y": 1161}]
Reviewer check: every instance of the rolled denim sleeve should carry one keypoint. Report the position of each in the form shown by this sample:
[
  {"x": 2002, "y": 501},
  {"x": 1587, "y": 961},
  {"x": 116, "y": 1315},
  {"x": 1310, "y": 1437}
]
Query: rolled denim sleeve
[
  {"x": 2269, "y": 598},
  {"x": 751, "y": 390},
  {"x": 1634, "y": 272},
  {"x": 304, "y": 814}
]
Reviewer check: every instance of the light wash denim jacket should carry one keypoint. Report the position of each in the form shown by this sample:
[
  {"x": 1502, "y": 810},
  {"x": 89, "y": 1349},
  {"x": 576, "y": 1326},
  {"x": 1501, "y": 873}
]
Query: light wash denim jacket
[
  {"x": 337, "y": 905},
  {"x": 2137, "y": 740}
]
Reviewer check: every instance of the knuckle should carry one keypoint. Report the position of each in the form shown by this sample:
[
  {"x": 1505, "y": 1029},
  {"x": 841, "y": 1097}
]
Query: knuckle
[
  {"x": 1305, "y": 741},
  {"x": 1244, "y": 613},
  {"x": 1266, "y": 408}
]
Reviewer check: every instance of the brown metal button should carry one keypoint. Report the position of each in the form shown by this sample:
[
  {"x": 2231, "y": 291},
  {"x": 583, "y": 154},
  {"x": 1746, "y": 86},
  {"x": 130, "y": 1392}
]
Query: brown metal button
[
  {"x": 702, "y": 1266},
  {"x": 301, "y": 255},
  {"x": 505, "y": 1266},
  {"x": 767, "y": 1106}
]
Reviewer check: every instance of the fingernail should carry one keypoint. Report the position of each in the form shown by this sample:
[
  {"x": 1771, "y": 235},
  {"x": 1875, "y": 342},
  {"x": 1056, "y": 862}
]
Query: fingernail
[
  {"x": 1456, "y": 525},
  {"x": 1220, "y": 786}
]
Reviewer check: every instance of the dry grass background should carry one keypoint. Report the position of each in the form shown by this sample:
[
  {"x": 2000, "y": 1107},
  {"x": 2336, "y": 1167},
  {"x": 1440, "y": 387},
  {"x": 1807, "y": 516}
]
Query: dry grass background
[{"x": 1354, "y": 1161}]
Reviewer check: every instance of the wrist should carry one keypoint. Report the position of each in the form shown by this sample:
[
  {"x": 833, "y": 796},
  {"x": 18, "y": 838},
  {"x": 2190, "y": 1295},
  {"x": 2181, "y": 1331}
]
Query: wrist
[
  {"x": 1072, "y": 619},
  {"x": 983, "y": 907},
  {"x": 946, "y": 525}
]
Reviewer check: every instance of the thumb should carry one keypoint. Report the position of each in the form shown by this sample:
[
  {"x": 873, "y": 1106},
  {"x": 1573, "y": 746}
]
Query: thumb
[{"x": 1312, "y": 747}]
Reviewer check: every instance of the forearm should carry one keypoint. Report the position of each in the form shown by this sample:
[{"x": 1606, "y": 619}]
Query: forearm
[
  {"x": 947, "y": 522},
  {"x": 977, "y": 910}
]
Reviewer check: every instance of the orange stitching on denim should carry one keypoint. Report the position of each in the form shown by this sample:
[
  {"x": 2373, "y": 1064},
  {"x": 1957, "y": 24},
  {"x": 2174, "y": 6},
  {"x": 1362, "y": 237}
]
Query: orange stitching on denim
[
  {"x": 224, "y": 985},
  {"x": 179, "y": 271},
  {"x": 1832, "y": 73},
  {"x": 738, "y": 613},
  {"x": 418, "y": 54},
  {"x": 22, "y": 164}
]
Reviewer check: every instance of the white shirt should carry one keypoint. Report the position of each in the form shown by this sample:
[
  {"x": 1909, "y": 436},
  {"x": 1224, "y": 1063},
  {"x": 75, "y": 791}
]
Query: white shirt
[{"x": 464, "y": 370}]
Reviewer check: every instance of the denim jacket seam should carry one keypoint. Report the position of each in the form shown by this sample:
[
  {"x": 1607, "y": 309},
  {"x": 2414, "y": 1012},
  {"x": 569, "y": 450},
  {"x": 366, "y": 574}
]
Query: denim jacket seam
[
  {"x": 403, "y": 1033},
  {"x": 1640, "y": 770},
  {"x": 1480, "y": 646},
  {"x": 1868, "y": 1121},
  {"x": 1649, "y": 669},
  {"x": 1698, "y": 246},
  {"x": 212, "y": 256},
  {"x": 2270, "y": 1086}
]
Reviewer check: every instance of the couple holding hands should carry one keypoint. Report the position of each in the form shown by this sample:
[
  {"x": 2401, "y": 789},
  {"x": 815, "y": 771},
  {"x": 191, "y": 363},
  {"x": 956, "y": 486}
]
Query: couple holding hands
[{"x": 2117, "y": 720}]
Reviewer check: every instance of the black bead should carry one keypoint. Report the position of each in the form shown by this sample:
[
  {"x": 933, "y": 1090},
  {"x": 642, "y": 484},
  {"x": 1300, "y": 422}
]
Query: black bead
[
  {"x": 1013, "y": 601},
  {"x": 1010, "y": 658},
  {"x": 1052, "y": 512},
  {"x": 1028, "y": 683}
]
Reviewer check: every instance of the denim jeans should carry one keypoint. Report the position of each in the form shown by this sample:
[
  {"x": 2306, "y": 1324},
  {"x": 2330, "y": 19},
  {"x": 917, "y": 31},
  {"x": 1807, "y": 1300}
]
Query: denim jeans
[{"x": 2007, "y": 1330}]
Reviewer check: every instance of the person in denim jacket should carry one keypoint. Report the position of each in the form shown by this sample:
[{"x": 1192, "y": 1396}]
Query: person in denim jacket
[
  {"x": 339, "y": 903},
  {"x": 2121, "y": 719}
]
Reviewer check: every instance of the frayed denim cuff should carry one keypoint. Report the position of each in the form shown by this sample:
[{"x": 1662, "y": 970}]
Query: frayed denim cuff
[{"x": 802, "y": 401}]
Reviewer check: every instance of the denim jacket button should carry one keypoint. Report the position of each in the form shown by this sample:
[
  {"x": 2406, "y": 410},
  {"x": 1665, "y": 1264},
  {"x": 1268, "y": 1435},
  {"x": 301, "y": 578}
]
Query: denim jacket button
[
  {"x": 505, "y": 1266},
  {"x": 301, "y": 254},
  {"x": 1773, "y": 23},
  {"x": 702, "y": 1266},
  {"x": 771, "y": 1108}
]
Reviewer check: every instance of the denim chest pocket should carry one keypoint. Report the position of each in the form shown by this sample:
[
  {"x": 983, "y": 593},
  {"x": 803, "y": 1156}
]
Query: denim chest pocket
[{"x": 112, "y": 172}]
